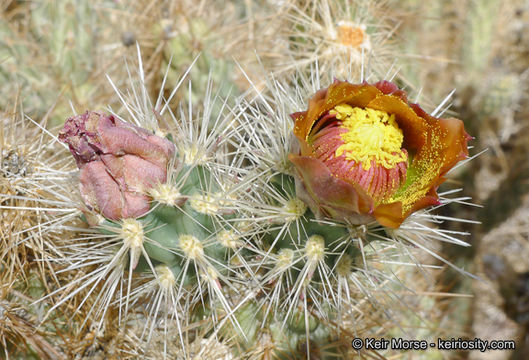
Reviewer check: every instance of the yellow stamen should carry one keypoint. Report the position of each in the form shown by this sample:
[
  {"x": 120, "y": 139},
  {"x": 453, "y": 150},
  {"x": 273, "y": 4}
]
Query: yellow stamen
[{"x": 372, "y": 135}]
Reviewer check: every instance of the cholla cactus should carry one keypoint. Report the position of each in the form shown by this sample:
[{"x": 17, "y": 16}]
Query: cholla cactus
[
  {"x": 217, "y": 219},
  {"x": 341, "y": 37}
]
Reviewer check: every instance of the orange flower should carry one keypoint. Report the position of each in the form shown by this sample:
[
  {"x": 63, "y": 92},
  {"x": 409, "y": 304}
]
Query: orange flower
[{"x": 366, "y": 152}]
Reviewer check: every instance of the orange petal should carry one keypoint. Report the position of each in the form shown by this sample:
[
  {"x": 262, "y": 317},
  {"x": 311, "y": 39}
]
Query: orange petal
[
  {"x": 329, "y": 195},
  {"x": 326, "y": 99},
  {"x": 389, "y": 215},
  {"x": 388, "y": 88},
  {"x": 392, "y": 214},
  {"x": 455, "y": 140}
]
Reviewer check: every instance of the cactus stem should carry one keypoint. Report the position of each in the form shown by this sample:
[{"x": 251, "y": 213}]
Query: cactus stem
[
  {"x": 132, "y": 233},
  {"x": 193, "y": 155},
  {"x": 285, "y": 259},
  {"x": 229, "y": 239},
  {"x": 315, "y": 248},
  {"x": 344, "y": 265}
]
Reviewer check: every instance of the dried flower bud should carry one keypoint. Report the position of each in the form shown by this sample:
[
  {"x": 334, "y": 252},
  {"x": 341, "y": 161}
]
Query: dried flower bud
[
  {"x": 366, "y": 152},
  {"x": 118, "y": 163}
]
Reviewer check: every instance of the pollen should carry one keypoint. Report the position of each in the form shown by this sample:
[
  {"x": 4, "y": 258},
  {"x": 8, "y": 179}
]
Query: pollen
[
  {"x": 132, "y": 233},
  {"x": 372, "y": 135}
]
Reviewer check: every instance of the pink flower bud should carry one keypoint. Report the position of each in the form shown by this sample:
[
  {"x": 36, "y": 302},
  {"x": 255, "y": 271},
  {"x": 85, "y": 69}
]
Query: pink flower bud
[{"x": 118, "y": 163}]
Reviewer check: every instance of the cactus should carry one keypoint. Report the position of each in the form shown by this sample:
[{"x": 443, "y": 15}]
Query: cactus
[
  {"x": 192, "y": 223},
  {"x": 345, "y": 38},
  {"x": 200, "y": 223}
]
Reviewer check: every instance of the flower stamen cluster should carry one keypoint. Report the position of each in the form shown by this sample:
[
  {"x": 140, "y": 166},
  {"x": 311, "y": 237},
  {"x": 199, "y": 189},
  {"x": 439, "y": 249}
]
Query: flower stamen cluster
[
  {"x": 371, "y": 135},
  {"x": 365, "y": 151}
]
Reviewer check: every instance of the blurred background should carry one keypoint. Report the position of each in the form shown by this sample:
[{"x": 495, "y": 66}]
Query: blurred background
[{"x": 54, "y": 56}]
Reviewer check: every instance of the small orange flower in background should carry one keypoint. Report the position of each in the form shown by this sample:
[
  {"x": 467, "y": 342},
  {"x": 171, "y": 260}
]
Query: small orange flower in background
[{"x": 366, "y": 152}]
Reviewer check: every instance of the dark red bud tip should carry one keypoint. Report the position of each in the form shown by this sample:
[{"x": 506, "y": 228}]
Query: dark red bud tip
[{"x": 81, "y": 134}]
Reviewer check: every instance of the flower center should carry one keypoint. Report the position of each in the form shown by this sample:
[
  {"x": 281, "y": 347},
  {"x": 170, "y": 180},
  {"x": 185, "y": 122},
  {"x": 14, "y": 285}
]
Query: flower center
[
  {"x": 363, "y": 146},
  {"x": 371, "y": 135}
]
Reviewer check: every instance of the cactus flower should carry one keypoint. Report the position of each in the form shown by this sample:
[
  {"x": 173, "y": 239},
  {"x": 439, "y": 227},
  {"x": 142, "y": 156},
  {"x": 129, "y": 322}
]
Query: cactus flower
[
  {"x": 118, "y": 163},
  {"x": 366, "y": 152}
]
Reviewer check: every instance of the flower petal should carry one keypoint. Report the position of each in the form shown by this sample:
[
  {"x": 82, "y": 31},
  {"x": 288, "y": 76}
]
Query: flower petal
[
  {"x": 324, "y": 100},
  {"x": 388, "y": 88},
  {"x": 413, "y": 127},
  {"x": 392, "y": 214},
  {"x": 100, "y": 191},
  {"x": 330, "y": 196}
]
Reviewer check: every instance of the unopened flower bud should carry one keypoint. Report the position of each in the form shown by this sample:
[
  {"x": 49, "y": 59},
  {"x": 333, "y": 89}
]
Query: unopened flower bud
[{"x": 118, "y": 163}]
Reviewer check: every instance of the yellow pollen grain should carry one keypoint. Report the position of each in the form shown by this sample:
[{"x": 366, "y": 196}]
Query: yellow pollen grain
[
  {"x": 424, "y": 172},
  {"x": 372, "y": 135}
]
